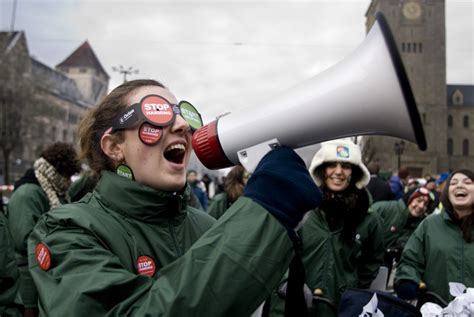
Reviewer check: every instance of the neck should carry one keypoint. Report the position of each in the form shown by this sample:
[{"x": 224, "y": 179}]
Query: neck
[{"x": 463, "y": 212}]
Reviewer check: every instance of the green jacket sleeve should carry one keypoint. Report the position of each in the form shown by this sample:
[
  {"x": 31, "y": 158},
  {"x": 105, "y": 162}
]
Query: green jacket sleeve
[
  {"x": 229, "y": 271},
  {"x": 25, "y": 207},
  {"x": 412, "y": 263},
  {"x": 373, "y": 251},
  {"x": 9, "y": 277}
]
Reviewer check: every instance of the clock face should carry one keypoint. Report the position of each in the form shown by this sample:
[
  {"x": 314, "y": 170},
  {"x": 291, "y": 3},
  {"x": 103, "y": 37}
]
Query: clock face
[{"x": 411, "y": 10}]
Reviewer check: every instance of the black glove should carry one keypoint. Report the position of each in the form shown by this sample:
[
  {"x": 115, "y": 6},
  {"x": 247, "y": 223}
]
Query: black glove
[
  {"x": 407, "y": 289},
  {"x": 281, "y": 184}
]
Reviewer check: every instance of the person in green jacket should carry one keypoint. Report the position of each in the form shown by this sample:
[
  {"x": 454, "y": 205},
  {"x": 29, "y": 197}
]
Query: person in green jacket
[
  {"x": 342, "y": 242},
  {"x": 400, "y": 218},
  {"x": 441, "y": 250},
  {"x": 42, "y": 188},
  {"x": 9, "y": 276},
  {"x": 133, "y": 247},
  {"x": 234, "y": 184}
]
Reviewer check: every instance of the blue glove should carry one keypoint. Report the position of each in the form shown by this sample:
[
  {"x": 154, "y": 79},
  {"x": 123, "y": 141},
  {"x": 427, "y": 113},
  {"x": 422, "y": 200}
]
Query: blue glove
[
  {"x": 407, "y": 289},
  {"x": 281, "y": 184}
]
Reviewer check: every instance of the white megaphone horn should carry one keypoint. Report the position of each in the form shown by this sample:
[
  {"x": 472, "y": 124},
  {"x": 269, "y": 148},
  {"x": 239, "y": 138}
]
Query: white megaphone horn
[{"x": 365, "y": 94}]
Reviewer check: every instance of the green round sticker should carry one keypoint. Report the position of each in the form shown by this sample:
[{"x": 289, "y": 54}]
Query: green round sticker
[
  {"x": 125, "y": 171},
  {"x": 191, "y": 115}
]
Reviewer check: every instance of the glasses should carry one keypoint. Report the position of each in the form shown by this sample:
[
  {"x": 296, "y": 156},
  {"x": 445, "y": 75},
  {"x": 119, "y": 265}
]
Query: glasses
[{"x": 154, "y": 112}]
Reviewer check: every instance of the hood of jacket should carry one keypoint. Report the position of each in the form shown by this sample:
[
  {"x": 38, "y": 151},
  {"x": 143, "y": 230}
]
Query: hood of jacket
[{"x": 139, "y": 201}]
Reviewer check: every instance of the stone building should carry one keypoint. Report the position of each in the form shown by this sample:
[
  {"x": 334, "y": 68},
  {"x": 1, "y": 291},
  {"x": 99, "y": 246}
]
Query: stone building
[
  {"x": 62, "y": 96},
  {"x": 419, "y": 29}
]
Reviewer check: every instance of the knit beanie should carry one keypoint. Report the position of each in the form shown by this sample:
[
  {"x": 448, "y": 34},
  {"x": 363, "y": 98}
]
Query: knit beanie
[
  {"x": 415, "y": 193},
  {"x": 344, "y": 151}
]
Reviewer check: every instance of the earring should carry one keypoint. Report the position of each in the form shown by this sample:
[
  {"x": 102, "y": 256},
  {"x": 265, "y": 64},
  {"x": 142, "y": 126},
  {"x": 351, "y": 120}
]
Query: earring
[{"x": 125, "y": 171}]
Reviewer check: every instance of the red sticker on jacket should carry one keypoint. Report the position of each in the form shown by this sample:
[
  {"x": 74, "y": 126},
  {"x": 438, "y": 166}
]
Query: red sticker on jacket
[
  {"x": 43, "y": 256},
  {"x": 146, "y": 265}
]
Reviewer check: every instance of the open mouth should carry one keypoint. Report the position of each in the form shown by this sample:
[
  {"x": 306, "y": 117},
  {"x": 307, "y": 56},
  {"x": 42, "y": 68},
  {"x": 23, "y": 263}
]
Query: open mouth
[
  {"x": 175, "y": 153},
  {"x": 460, "y": 194}
]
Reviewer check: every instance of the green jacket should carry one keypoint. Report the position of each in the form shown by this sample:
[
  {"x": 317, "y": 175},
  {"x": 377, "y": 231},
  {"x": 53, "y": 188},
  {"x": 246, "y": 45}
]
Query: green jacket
[
  {"x": 398, "y": 225},
  {"x": 333, "y": 266},
  {"x": 27, "y": 204},
  {"x": 437, "y": 254},
  {"x": 9, "y": 276},
  {"x": 127, "y": 249},
  {"x": 218, "y": 205}
]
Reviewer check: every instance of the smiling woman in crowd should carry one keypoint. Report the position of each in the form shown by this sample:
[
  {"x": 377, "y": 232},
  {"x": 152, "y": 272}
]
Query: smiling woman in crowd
[{"x": 441, "y": 250}]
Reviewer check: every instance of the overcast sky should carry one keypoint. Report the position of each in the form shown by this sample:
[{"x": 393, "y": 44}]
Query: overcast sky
[{"x": 219, "y": 54}]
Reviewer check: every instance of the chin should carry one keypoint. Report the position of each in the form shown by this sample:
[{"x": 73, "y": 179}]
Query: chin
[{"x": 175, "y": 186}]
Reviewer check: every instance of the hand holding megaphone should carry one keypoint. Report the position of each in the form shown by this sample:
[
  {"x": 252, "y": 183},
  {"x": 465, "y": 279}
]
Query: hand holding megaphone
[{"x": 367, "y": 93}]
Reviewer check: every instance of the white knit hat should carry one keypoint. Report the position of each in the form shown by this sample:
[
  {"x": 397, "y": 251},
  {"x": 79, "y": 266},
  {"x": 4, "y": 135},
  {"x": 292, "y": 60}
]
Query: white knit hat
[{"x": 342, "y": 150}]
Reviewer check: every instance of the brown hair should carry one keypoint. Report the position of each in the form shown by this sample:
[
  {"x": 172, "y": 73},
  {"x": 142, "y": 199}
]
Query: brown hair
[
  {"x": 466, "y": 223},
  {"x": 63, "y": 157},
  {"x": 234, "y": 183},
  {"x": 99, "y": 119}
]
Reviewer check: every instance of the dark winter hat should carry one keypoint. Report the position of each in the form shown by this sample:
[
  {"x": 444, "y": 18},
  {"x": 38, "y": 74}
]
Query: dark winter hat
[{"x": 415, "y": 193}]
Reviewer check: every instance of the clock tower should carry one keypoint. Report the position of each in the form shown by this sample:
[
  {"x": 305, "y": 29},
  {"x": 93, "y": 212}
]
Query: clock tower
[{"x": 418, "y": 27}]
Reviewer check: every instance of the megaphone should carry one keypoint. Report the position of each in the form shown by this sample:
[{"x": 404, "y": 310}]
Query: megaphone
[{"x": 367, "y": 93}]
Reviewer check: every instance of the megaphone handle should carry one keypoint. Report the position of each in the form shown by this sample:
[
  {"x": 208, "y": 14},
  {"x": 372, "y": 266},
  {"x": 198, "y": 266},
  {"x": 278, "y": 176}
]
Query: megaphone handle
[{"x": 250, "y": 157}]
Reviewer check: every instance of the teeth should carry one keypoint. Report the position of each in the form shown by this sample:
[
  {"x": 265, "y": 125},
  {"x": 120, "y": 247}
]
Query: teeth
[{"x": 176, "y": 147}]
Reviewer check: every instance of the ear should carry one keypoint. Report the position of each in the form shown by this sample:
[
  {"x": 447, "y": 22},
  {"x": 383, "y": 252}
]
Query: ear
[{"x": 111, "y": 148}]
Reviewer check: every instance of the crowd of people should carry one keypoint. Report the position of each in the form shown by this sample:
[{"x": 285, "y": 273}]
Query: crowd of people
[{"x": 141, "y": 234}]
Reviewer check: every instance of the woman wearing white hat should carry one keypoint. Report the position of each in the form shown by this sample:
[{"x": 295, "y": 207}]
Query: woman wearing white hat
[{"x": 342, "y": 243}]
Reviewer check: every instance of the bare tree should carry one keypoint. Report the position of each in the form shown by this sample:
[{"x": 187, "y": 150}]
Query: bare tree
[{"x": 17, "y": 101}]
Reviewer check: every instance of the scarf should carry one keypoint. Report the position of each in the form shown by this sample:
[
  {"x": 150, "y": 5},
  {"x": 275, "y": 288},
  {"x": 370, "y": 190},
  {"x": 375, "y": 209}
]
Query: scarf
[{"x": 53, "y": 184}]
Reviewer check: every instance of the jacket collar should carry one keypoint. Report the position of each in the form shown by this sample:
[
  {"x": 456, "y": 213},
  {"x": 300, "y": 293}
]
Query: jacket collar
[{"x": 139, "y": 201}]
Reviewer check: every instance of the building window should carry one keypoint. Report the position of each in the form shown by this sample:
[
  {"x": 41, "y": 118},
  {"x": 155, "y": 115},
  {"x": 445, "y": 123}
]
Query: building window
[
  {"x": 53, "y": 133},
  {"x": 458, "y": 98},
  {"x": 403, "y": 47},
  {"x": 450, "y": 121},
  {"x": 423, "y": 116},
  {"x": 465, "y": 121},
  {"x": 414, "y": 47},
  {"x": 409, "y": 47},
  {"x": 465, "y": 147},
  {"x": 83, "y": 70},
  {"x": 420, "y": 47},
  {"x": 65, "y": 135},
  {"x": 450, "y": 146}
]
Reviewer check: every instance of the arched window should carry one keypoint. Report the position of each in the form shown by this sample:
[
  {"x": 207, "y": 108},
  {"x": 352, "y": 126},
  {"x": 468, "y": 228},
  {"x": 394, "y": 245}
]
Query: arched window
[
  {"x": 465, "y": 147},
  {"x": 450, "y": 121},
  {"x": 450, "y": 146},
  {"x": 465, "y": 121}
]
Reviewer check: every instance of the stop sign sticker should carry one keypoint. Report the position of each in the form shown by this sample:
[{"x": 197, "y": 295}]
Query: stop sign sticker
[{"x": 146, "y": 265}]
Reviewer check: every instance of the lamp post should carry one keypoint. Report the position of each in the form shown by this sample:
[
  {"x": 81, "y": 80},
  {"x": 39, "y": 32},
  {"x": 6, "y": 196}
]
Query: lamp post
[
  {"x": 399, "y": 147},
  {"x": 125, "y": 71}
]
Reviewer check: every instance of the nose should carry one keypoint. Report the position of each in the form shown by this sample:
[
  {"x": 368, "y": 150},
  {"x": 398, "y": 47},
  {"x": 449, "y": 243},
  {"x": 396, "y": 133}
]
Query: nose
[
  {"x": 180, "y": 125},
  {"x": 338, "y": 168}
]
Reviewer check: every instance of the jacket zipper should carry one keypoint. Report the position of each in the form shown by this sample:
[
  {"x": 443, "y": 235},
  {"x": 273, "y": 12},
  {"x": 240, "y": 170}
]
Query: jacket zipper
[
  {"x": 462, "y": 259},
  {"x": 179, "y": 252}
]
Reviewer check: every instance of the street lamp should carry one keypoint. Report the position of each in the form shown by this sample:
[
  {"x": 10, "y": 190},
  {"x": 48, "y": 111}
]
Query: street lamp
[
  {"x": 125, "y": 71},
  {"x": 399, "y": 147}
]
